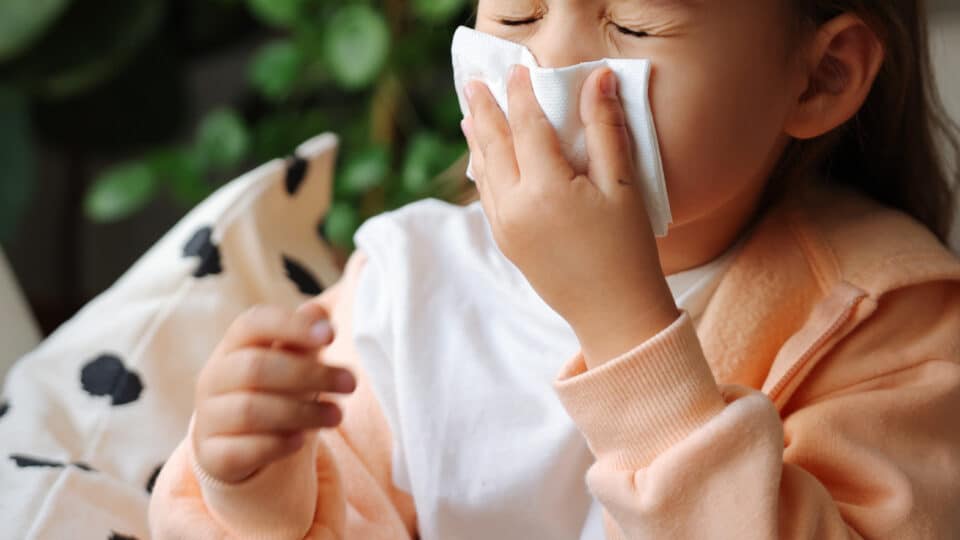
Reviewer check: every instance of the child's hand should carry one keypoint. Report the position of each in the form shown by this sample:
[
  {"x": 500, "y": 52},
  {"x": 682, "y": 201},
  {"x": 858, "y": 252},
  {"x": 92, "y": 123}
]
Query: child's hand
[
  {"x": 256, "y": 397},
  {"x": 584, "y": 242}
]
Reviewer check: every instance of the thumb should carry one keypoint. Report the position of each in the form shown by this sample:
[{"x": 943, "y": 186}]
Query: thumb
[{"x": 609, "y": 147}]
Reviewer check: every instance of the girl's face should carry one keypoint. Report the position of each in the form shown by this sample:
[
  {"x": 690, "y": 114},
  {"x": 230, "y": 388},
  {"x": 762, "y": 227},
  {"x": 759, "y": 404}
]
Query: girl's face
[{"x": 721, "y": 89}]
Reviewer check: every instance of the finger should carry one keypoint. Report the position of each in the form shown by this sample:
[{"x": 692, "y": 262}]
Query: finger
[
  {"x": 254, "y": 412},
  {"x": 535, "y": 141},
  {"x": 478, "y": 166},
  {"x": 234, "y": 458},
  {"x": 608, "y": 140},
  {"x": 278, "y": 371},
  {"x": 493, "y": 137},
  {"x": 476, "y": 156},
  {"x": 263, "y": 326},
  {"x": 313, "y": 309}
]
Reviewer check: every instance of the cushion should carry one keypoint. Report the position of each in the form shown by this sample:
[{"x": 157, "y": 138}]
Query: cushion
[
  {"x": 88, "y": 418},
  {"x": 18, "y": 331}
]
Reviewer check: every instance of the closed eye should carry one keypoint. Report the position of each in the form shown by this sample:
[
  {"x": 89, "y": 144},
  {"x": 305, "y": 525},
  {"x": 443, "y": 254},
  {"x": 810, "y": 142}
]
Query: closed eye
[
  {"x": 521, "y": 22},
  {"x": 627, "y": 31},
  {"x": 518, "y": 22}
]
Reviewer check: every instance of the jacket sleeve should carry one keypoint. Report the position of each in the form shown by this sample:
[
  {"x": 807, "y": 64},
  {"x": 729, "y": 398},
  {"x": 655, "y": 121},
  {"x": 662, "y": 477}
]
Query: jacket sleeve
[
  {"x": 337, "y": 486},
  {"x": 868, "y": 446}
]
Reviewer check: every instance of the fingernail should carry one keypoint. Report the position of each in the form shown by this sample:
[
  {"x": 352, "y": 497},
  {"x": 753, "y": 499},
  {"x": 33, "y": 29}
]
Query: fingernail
[
  {"x": 608, "y": 84},
  {"x": 322, "y": 331},
  {"x": 512, "y": 74},
  {"x": 465, "y": 127},
  {"x": 345, "y": 382},
  {"x": 470, "y": 90}
]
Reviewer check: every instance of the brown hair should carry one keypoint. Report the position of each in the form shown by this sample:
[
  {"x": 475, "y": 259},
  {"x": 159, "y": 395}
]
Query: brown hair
[{"x": 894, "y": 149}]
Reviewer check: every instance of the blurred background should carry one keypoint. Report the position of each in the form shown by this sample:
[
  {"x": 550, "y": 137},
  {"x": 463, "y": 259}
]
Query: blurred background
[{"x": 117, "y": 116}]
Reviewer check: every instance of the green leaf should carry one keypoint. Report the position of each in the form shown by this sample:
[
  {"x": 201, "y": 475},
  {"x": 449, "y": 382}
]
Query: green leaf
[
  {"x": 179, "y": 170},
  {"x": 23, "y": 21},
  {"x": 17, "y": 166},
  {"x": 120, "y": 192},
  {"x": 281, "y": 13},
  {"x": 427, "y": 156},
  {"x": 341, "y": 223},
  {"x": 275, "y": 68},
  {"x": 356, "y": 45},
  {"x": 438, "y": 11},
  {"x": 364, "y": 171},
  {"x": 222, "y": 140}
]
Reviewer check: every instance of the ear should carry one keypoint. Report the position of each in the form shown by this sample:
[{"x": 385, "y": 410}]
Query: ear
[{"x": 842, "y": 65}]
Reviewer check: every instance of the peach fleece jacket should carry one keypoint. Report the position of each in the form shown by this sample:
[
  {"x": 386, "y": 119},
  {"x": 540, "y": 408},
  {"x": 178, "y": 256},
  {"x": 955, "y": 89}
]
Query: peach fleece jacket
[{"x": 818, "y": 398}]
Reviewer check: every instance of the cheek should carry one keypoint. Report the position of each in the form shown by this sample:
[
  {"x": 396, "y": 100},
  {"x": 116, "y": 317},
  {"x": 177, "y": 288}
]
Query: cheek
[{"x": 719, "y": 128}]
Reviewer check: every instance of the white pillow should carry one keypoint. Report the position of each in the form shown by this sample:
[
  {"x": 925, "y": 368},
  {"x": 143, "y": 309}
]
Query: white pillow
[
  {"x": 90, "y": 415},
  {"x": 18, "y": 331}
]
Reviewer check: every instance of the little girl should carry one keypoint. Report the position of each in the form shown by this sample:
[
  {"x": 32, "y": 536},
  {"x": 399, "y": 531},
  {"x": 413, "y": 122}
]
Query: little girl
[{"x": 785, "y": 363}]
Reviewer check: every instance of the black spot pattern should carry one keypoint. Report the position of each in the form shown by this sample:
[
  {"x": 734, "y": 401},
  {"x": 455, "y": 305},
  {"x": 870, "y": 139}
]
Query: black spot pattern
[
  {"x": 106, "y": 375},
  {"x": 201, "y": 245},
  {"x": 303, "y": 278},
  {"x": 114, "y": 535},
  {"x": 296, "y": 173},
  {"x": 25, "y": 462},
  {"x": 153, "y": 478},
  {"x": 4, "y": 407}
]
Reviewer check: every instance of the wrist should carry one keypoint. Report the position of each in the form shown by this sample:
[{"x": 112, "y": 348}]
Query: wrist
[{"x": 615, "y": 332}]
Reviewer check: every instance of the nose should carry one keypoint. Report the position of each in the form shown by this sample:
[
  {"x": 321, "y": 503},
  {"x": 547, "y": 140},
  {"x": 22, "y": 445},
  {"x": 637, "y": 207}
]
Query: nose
[{"x": 565, "y": 39}]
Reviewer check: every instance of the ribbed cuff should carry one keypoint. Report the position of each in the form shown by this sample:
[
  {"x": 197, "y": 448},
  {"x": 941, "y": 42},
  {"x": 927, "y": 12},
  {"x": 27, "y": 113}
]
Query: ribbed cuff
[
  {"x": 276, "y": 503},
  {"x": 634, "y": 407},
  {"x": 208, "y": 482}
]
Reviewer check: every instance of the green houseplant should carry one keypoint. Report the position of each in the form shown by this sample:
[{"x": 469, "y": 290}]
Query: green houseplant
[{"x": 108, "y": 74}]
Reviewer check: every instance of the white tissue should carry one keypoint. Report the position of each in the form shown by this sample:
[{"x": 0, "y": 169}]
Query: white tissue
[{"x": 481, "y": 56}]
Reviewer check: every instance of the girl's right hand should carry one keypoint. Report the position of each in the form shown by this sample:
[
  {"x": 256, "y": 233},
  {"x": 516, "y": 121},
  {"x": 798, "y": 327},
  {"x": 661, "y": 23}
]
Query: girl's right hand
[{"x": 256, "y": 398}]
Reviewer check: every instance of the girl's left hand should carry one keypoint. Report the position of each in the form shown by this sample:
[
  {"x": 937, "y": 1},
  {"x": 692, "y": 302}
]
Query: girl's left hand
[{"x": 584, "y": 242}]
